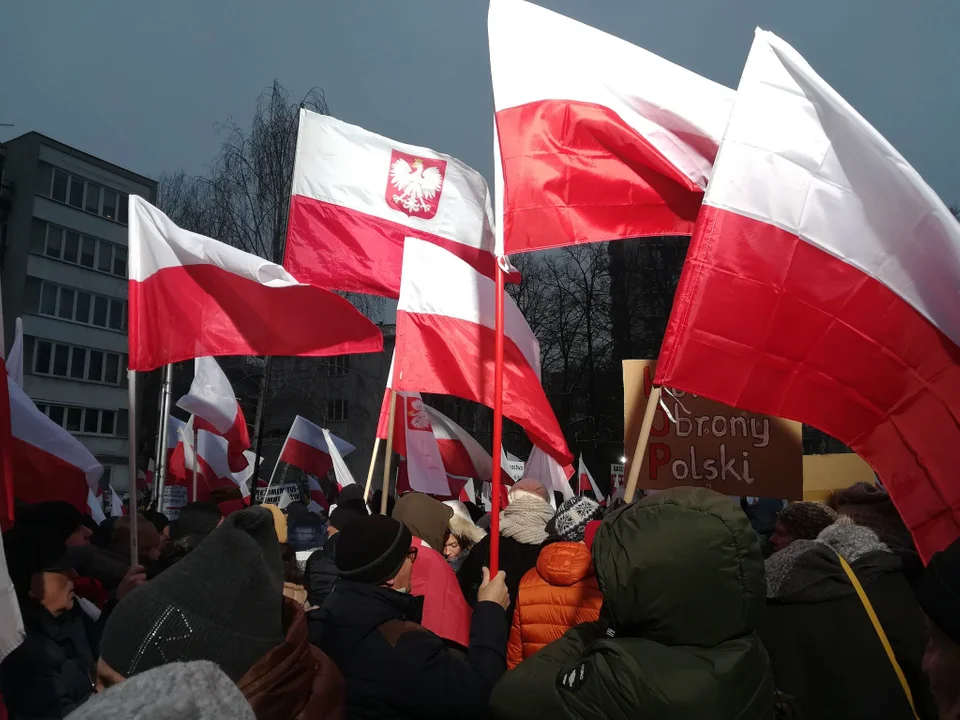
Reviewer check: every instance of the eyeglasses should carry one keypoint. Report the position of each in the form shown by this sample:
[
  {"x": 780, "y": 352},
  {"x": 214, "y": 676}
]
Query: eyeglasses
[{"x": 412, "y": 554}]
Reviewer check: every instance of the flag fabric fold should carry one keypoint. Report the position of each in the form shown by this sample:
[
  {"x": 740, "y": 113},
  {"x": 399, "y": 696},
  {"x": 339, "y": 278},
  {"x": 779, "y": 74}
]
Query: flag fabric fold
[
  {"x": 214, "y": 407},
  {"x": 425, "y": 468},
  {"x": 548, "y": 472},
  {"x": 357, "y": 195},
  {"x": 306, "y": 447},
  {"x": 340, "y": 469},
  {"x": 597, "y": 139},
  {"x": 212, "y": 460},
  {"x": 116, "y": 506},
  {"x": 95, "y": 506},
  {"x": 821, "y": 285},
  {"x": 192, "y": 296},
  {"x": 586, "y": 481},
  {"x": 445, "y": 343},
  {"x": 15, "y": 356}
]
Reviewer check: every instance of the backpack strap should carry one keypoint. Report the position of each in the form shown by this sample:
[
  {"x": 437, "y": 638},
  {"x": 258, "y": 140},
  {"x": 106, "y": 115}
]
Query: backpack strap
[{"x": 868, "y": 606}]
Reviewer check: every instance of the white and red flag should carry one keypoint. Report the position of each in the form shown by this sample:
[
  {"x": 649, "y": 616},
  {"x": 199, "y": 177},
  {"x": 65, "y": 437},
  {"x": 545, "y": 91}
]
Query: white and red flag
[
  {"x": 821, "y": 286},
  {"x": 212, "y": 461},
  {"x": 445, "y": 343},
  {"x": 551, "y": 474},
  {"x": 425, "y": 467},
  {"x": 192, "y": 296},
  {"x": 598, "y": 139},
  {"x": 357, "y": 195},
  {"x": 586, "y": 481},
  {"x": 215, "y": 409},
  {"x": 47, "y": 462},
  {"x": 306, "y": 447}
]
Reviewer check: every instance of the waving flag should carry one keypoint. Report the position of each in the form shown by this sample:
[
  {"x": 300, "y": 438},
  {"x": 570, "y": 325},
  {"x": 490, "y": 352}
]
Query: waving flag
[
  {"x": 306, "y": 447},
  {"x": 598, "y": 139},
  {"x": 212, "y": 460},
  {"x": 357, "y": 195},
  {"x": 192, "y": 296},
  {"x": 340, "y": 469},
  {"x": 542, "y": 467},
  {"x": 116, "y": 505},
  {"x": 821, "y": 286},
  {"x": 586, "y": 481},
  {"x": 47, "y": 462},
  {"x": 215, "y": 409},
  {"x": 445, "y": 342}
]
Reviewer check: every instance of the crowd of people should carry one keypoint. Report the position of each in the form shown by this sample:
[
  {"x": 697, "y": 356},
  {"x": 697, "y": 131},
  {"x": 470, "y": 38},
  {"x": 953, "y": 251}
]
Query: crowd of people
[{"x": 680, "y": 605}]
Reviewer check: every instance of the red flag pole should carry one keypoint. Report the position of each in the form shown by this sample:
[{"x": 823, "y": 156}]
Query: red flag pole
[{"x": 497, "y": 426}]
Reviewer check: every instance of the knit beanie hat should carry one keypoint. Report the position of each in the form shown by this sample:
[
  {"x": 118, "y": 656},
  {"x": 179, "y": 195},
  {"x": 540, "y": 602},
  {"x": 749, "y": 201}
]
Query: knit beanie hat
[
  {"x": 222, "y": 602},
  {"x": 178, "y": 691},
  {"x": 196, "y": 518},
  {"x": 351, "y": 492},
  {"x": 572, "y": 517},
  {"x": 940, "y": 591},
  {"x": 372, "y": 549},
  {"x": 805, "y": 520},
  {"x": 347, "y": 511},
  {"x": 279, "y": 521}
]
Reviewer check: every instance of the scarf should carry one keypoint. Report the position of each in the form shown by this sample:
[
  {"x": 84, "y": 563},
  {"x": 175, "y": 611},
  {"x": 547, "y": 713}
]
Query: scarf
[{"x": 525, "y": 520}]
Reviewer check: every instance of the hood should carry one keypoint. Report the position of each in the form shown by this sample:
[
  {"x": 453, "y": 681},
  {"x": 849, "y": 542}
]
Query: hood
[
  {"x": 808, "y": 571},
  {"x": 465, "y": 530},
  {"x": 292, "y": 676},
  {"x": 425, "y": 517},
  {"x": 362, "y": 608},
  {"x": 562, "y": 564},
  {"x": 682, "y": 567}
]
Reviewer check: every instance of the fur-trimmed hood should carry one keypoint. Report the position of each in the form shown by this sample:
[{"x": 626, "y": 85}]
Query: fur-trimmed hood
[{"x": 465, "y": 530}]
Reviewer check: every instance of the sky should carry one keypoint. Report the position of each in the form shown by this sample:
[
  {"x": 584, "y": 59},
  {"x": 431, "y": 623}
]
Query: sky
[{"x": 145, "y": 84}]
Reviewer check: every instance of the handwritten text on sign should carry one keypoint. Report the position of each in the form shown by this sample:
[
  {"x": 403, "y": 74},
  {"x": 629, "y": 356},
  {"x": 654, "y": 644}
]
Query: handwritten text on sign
[{"x": 712, "y": 445}]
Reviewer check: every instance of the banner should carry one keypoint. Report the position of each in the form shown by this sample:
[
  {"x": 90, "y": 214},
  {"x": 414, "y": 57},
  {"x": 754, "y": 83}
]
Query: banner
[
  {"x": 174, "y": 498},
  {"x": 515, "y": 468},
  {"x": 276, "y": 492},
  {"x": 616, "y": 478},
  {"x": 710, "y": 445}
]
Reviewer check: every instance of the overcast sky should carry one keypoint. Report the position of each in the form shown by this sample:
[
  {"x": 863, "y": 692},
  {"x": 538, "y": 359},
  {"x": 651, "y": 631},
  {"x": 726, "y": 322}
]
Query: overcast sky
[{"x": 144, "y": 84}]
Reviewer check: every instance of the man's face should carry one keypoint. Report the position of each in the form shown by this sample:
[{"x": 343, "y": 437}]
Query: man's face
[
  {"x": 53, "y": 590},
  {"x": 781, "y": 537},
  {"x": 401, "y": 581},
  {"x": 80, "y": 537}
]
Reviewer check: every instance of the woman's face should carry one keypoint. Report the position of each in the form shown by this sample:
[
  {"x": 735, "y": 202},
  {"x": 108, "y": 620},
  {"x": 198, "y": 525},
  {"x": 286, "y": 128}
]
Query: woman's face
[{"x": 451, "y": 548}]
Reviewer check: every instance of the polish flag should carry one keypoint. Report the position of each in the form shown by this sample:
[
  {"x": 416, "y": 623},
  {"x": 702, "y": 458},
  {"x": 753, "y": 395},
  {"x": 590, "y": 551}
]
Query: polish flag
[
  {"x": 214, "y": 407},
  {"x": 587, "y": 482},
  {"x": 317, "y": 496},
  {"x": 174, "y": 428},
  {"x": 598, "y": 139},
  {"x": 192, "y": 296},
  {"x": 548, "y": 472},
  {"x": 306, "y": 448},
  {"x": 357, "y": 195},
  {"x": 47, "y": 462},
  {"x": 424, "y": 464},
  {"x": 212, "y": 461},
  {"x": 445, "y": 342},
  {"x": 821, "y": 286}
]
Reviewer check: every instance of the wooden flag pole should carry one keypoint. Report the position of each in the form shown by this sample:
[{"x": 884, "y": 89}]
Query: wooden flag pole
[
  {"x": 373, "y": 462},
  {"x": 638, "y": 453},
  {"x": 132, "y": 465},
  {"x": 497, "y": 424},
  {"x": 391, "y": 421}
]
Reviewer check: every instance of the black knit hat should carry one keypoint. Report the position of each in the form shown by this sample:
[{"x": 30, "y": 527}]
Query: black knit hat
[
  {"x": 372, "y": 549},
  {"x": 222, "y": 602},
  {"x": 940, "y": 591},
  {"x": 196, "y": 518},
  {"x": 352, "y": 491},
  {"x": 347, "y": 511}
]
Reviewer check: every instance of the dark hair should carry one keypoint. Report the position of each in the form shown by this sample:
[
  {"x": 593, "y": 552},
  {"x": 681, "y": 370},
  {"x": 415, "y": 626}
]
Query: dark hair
[
  {"x": 157, "y": 519},
  {"x": 174, "y": 552},
  {"x": 291, "y": 571},
  {"x": 196, "y": 518}
]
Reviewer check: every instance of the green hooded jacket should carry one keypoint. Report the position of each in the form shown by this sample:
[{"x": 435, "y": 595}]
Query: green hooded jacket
[{"x": 683, "y": 584}]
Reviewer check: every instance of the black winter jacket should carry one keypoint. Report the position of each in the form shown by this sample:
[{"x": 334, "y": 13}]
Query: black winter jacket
[
  {"x": 51, "y": 673},
  {"x": 516, "y": 559},
  {"x": 395, "y": 668},
  {"x": 320, "y": 572}
]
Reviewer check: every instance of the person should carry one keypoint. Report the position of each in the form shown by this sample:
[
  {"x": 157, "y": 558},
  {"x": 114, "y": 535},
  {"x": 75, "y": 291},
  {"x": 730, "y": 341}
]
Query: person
[
  {"x": 186, "y": 691},
  {"x": 462, "y": 535},
  {"x": 394, "y": 667},
  {"x": 561, "y": 590},
  {"x": 224, "y": 603},
  {"x": 196, "y": 518},
  {"x": 293, "y": 583},
  {"x": 149, "y": 541},
  {"x": 305, "y": 535},
  {"x": 320, "y": 572},
  {"x": 816, "y": 627},
  {"x": 522, "y": 531},
  {"x": 445, "y": 611},
  {"x": 800, "y": 521},
  {"x": 683, "y": 588},
  {"x": 939, "y": 595},
  {"x": 158, "y": 520}
]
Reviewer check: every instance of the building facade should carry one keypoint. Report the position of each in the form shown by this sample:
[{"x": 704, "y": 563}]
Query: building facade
[{"x": 63, "y": 270}]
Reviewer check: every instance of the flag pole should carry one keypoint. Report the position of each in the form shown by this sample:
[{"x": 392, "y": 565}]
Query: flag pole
[
  {"x": 261, "y": 413},
  {"x": 274, "y": 473},
  {"x": 391, "y": 421},
  {"x": 132, "y": 464},
  {"x": 652, "y": 402},
  {"x": 196, "y": 453},
  {"x": 163, "y": 438},
  {"x": 373, "y": 462},
  {"x": 497, "y": 425}
]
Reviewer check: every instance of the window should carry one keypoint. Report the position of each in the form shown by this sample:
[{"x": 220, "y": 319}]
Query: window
[
  {"x": 41, "y": 362},
  {"x": 61, "y": 357},
  {"x": 57, "y": 413},
  {"x": 105, "y": 257},
  {"x": 107, "y": 418},
  {"x": 96, "y": 365},
  {"x": 74, "y": 418},
  {"x": 83, "y": 307},
  {"x": 59, "y": 189},
  {"x": 113, "y": 369},
  {"x": 71, "y": 247},
  {"x": 122, "y": 210},
  {"x": 120, "y": 261},
  {"x": 91, "y": 421},
  {"x": 70, "y": 304},
  {"x": 336, "y": 410},
  {"x": 87, "y": 249},
  {"x": 87, "y": 420},
  {"x": 77, "y": 362},
  {"x": 109, "y": 204},
  {"x": 100, "y": 311},
  {"x": 65, "y": 309},
  {"x": 338, "y": 365},
  {"x": 54, "y": 242},
  {"x": 48, "y": 299},
  {"x": 92, "y": 204},
  {"x": 116, "y": 315},
  {"x": 75, "y": 197}
]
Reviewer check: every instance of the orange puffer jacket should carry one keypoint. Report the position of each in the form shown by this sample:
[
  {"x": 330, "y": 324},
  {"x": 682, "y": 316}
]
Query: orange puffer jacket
[{"x": 559, "y": 593}]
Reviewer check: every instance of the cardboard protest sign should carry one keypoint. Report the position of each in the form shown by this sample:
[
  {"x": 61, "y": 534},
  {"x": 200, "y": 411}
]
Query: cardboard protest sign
[
  {"x": 174, "y": 498},
  {"x": 711, "y": 445},
  {"x": 276, "y": 492},
  {"x": 822, "y": 474}
]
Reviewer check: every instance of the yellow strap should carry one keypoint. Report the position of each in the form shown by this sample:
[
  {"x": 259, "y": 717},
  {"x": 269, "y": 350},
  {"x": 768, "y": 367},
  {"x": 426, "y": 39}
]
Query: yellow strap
[{"x": 880, "y": 633}]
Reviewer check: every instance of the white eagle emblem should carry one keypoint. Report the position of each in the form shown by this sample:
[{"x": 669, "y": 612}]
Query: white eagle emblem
[
  {"x": 415, "y": 187},
  {"x": 417, "y": 415}
]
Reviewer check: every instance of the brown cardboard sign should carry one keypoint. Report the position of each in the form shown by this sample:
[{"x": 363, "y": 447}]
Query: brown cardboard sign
[{"x": 710, "y": 445}]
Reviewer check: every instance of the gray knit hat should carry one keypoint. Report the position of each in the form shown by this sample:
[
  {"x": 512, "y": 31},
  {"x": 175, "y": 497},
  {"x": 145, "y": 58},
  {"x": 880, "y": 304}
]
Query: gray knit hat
[
  {"x": 178, "y": 691},
  {"x": 571, "y": 518},
  {"x": 223, "y": 602}
]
